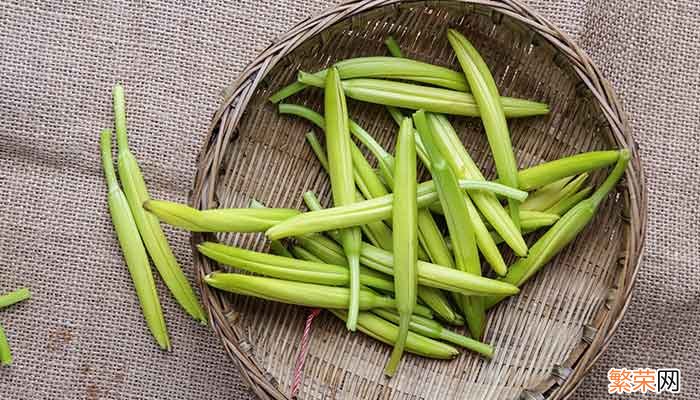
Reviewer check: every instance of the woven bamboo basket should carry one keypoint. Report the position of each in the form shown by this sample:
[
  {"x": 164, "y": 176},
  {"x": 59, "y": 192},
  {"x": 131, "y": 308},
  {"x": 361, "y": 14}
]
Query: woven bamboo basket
[{"x": 548, "y": 337}]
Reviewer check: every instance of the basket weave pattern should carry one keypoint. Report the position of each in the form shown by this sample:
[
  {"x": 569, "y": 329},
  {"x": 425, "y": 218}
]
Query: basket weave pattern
[{"x": 546, "y": 338}]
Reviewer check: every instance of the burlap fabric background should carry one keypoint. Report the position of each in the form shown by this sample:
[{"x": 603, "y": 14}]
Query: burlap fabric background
[{"x": 83, "y": 337}]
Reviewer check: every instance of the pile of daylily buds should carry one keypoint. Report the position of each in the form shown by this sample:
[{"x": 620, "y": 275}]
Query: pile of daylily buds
[{"x": 392, "y": 254}]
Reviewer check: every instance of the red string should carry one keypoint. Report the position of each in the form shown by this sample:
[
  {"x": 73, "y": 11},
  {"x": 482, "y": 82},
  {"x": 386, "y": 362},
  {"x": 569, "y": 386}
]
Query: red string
[{"x": 303, "y": 350}]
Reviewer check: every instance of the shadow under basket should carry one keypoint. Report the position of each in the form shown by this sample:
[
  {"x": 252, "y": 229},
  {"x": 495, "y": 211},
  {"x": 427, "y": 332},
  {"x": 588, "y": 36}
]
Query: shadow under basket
[{"x": 546, "y": 338}]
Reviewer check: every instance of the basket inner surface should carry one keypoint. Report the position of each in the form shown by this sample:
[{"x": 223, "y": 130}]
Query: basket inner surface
[{"x": 269, "y": 160}]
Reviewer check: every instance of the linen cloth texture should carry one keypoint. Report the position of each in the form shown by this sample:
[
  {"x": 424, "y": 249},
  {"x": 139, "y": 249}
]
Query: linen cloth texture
[{"x": 82, "y": 336}]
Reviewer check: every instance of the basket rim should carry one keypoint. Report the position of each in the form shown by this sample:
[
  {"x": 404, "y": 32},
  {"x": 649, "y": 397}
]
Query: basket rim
[{"x": 235, "y": 100}]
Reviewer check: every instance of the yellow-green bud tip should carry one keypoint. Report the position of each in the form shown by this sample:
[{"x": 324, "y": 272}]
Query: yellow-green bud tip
[{"x": 625, "y": 154}]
